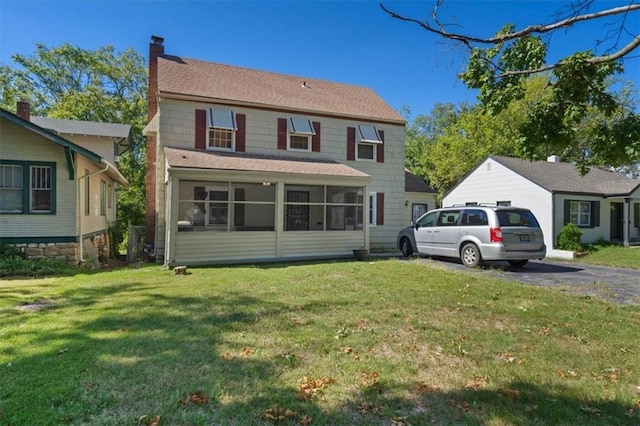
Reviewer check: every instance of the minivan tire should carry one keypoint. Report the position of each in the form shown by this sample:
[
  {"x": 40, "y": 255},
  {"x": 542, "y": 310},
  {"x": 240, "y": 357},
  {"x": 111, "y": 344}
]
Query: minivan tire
[
  {"x": 405, "y": 247},
  {"x": 470, "y": 255}
]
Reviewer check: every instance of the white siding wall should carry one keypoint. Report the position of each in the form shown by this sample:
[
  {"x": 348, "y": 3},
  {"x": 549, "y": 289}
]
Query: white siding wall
[
  {"x": 177, "y": 129},
  {"x": 17, "y": 143},
  {"x": 492, "y": 182}
]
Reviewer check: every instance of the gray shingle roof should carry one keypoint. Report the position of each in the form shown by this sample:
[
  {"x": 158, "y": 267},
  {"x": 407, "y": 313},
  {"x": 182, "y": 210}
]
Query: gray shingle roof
[
  {"x": 79, "y": 127},
  {"x": 563, "y": 177},
  {"x": 183, "y": 76},
  {"x": 413, "y": 183}
]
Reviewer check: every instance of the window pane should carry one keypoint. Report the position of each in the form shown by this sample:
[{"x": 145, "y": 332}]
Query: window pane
[
  {"x": 365, "y": 151},
  {"x": 299, "y": 142},
  {"x": 40, "y": 189},
  {"x": 417, "y": 210},
  {"x": 219, "y": 138},
  {"x": 11, "y": 188}
]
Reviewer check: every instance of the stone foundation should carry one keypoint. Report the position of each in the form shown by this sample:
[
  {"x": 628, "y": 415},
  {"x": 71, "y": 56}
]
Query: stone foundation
[{"x": 68, "y": 252}]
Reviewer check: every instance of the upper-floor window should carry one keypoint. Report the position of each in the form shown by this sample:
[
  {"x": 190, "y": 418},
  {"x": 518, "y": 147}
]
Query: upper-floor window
[
  {"x": 27, "y": 188},
  {"x": 367, "y": 139},
  {"x": 300, "y": 131},
  {"x": 222, "y": 127}
]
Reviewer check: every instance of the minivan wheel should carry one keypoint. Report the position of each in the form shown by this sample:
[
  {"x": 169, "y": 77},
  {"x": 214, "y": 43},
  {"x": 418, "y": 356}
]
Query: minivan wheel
[
  {"x": 470, "y": 255},
  {"x": 518, "y": 263},
  {"x": 405, "y": 247}
]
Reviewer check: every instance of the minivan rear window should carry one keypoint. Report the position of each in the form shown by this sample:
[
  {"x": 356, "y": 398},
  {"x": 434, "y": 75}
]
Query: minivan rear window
[{"x": 517, "y": 218}]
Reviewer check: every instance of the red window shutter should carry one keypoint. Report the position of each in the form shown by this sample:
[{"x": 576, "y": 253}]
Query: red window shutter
[
  {"x": 380, "y": 208},
  {"x": 351, "y": 143},
  {"x": 315, "y": 139},
  {"x": 380, "y": 148},
  {"x": 201, "y": 129},
  {"x": 241, "y": 133},
  {"x": 282, "y": 133}
]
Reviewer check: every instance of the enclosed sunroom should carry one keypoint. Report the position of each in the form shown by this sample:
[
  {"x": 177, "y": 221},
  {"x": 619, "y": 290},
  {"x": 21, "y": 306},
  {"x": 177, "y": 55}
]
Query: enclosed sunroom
[{"x": 225, "y": 208}]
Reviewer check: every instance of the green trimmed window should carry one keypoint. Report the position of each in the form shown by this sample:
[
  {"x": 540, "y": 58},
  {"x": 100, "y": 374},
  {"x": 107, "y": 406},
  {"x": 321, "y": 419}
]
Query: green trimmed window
[{"x": 27, "y": 187}]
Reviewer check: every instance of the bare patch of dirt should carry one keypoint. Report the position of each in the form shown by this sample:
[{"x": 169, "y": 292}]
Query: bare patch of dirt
[{"x": 36, "y": 305}]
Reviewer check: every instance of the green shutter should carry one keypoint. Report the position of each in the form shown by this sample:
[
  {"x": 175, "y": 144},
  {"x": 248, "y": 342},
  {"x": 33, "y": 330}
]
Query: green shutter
[{"x": 636, "y": 215}]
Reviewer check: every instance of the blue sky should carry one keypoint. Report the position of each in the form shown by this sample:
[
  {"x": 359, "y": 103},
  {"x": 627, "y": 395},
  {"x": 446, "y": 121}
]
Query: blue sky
[{"x": 351, "y": 42}]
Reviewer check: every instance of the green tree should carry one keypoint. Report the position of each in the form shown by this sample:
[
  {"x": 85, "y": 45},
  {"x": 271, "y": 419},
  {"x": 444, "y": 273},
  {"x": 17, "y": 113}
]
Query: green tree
[
  {"x": 421, "y": 134},
  {"x": 102, "y": 85},
  {"x": 499, "y": 66}
]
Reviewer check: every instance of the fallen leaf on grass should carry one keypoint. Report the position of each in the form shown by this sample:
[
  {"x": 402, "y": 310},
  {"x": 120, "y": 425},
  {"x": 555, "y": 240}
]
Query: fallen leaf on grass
[
  {"x": 279, "y": 414},
  {"x": 246, "y": 351},
  {"x": 149, "y": 421},
  {"x": 400, "y": 421},
  {"x": 590, "y": 410},
  {"x": 477, "y": 382},
  {"x": 227, "y": 355},
  {"x": 370, "y": 378},
  {"x": 310, "y": 387},
  {"x": 425, "y": 387},
  {"x": 511, "y": 393},
  {"x": 197, "y": 397},
  {"x": 544, "y": 331},
  {"x": 365, "y": 407},
  {"x": 61, "y": 351}
]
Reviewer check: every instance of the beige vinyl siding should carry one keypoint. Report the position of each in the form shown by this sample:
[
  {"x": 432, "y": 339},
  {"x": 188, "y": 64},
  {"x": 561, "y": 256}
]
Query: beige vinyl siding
[
  {"x": 417, "y": 198},
  {"x": 317, "y": 244},
  {"x": 19, "y": 144},
  {"x": 177, "y": 129},
  {"x": 94, "y": 221},
  {"x": 103, "y": 146},
  {"x": 211, "y": 247}
]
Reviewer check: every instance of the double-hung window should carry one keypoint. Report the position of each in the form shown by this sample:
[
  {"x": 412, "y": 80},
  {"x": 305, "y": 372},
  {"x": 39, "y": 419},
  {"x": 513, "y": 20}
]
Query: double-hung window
[
  {"x": 300, "y": 131},
  {"x": 222, "y": 127},
  {"x": 367, "y": 139},
  {"x": 27, "y": 187},
  {"x": 580, "y": 213}
]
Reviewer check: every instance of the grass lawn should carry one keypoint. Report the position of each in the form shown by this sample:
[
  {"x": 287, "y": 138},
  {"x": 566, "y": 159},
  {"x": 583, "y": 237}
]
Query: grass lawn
[
  {"x": 337, "y": 343},
  {"x": 613, "y": 255}
]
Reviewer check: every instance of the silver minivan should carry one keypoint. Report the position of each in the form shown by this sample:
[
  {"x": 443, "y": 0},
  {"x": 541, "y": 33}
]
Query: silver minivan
[{"x": 475, "y": 234}]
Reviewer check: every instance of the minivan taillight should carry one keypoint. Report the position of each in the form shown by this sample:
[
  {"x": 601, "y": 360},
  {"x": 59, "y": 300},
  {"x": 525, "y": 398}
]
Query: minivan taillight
[{"x": 495, "y": 234}]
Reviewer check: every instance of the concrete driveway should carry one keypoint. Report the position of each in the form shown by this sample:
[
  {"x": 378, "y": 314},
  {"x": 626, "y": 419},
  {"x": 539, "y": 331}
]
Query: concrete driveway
[{"x": 614, "y": 284}]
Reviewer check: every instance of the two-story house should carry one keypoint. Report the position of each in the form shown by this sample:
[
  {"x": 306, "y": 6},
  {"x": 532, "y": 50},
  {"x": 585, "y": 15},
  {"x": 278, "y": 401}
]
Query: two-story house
[{"x": 248, "y": 165}]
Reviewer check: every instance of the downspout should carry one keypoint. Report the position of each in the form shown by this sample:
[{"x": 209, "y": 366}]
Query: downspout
[{"x": 78, "y": 207}]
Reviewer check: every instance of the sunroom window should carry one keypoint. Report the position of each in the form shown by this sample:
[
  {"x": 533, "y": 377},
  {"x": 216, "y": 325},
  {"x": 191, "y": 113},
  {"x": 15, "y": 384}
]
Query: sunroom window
[{"x": 222, "y": 129}]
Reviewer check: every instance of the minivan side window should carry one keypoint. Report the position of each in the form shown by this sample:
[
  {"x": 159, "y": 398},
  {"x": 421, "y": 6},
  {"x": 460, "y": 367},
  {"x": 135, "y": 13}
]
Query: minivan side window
[
  {"x": 474, "y": 218},
  {"x": 517, "y": 218},
  {"x": 448, "y": 218},
  {"x": 427, "y": 220}
]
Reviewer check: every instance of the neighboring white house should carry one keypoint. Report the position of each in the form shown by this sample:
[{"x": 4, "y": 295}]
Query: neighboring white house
[
  {"x": 420, "y": 197},
  {"x": 276, "y": 166},
  {"x": 604, "y": 204},
  {"x": 55, "y": 195}
]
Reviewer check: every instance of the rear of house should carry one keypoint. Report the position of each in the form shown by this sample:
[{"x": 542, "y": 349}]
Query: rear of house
[{"x": 246, "y": 165}]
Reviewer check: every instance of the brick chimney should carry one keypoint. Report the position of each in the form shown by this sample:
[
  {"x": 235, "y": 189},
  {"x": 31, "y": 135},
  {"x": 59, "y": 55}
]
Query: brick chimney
[
  {"x": 156, "y": 49},
  {"x": 23, "y": 110}
]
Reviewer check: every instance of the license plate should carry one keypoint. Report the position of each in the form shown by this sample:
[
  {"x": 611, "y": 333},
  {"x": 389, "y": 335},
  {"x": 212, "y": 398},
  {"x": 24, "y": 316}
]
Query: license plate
[{"x": 524, "y": 238}]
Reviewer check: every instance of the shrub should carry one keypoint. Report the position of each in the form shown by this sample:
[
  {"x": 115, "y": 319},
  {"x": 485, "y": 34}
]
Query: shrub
[
  {"x": 13, "y": 263},
  {"x": 570, "y": 238}
]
